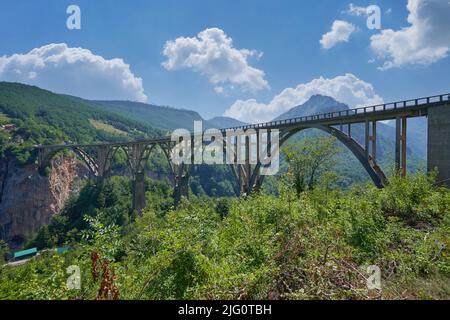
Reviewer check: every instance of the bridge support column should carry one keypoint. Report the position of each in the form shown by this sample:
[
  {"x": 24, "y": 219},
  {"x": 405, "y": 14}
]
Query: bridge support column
[
  {"x": 138, "y": 155},
  {"x": 105, "y": 155},
  {"x": 249, "y": 181},
  {"x": 243, "y": 180},
  {"x": 139, "y": 202},
  {"x": 374, "y": 141},
  {"x": 182, "y": 174},
  {"x": 367, "y": 138},
  {"x": 371, "y": 138},
  {"x": 245, "y": 171},
  {"x": 439, "y": 142},
  {"x": 400, "y": 145},
  {"x": 249, "y": 176}
]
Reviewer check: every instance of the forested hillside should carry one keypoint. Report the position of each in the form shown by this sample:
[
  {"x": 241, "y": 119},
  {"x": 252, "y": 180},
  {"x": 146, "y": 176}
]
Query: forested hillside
[
  {"x": 42, "y": 117},
  {"x": 225, "y": 122},
  {"x": 165, "y": 118}
]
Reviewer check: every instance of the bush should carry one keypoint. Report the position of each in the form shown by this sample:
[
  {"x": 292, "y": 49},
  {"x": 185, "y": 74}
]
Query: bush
[
  {"x": 415, "y": 199},
  {"x": 313, "y": 246}
]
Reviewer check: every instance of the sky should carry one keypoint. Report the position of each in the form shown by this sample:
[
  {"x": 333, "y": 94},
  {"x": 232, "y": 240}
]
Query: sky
[{"x": 248, "y": 59}]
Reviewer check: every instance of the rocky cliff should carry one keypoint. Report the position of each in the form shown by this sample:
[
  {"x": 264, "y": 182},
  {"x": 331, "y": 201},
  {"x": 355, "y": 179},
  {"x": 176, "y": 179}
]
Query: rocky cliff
[{"x": 28, "y": 200}]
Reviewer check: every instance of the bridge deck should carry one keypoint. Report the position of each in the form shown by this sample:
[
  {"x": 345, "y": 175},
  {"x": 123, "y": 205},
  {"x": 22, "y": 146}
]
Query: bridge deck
[{"x": 407, "y": 108}]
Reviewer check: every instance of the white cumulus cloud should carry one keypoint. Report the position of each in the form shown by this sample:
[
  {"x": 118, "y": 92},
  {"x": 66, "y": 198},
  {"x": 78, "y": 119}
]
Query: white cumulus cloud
[
  {"x": 74, "y": 71},
  {"x": 426, "y": 40},
  {"x": 340, "y": 32},
  {"x": 347, "y": 89},
  {"x": 212, "y": 54}
]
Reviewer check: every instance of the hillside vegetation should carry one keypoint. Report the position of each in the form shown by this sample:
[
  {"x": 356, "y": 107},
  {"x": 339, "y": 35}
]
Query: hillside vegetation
[
  {"x": 315, "y": 245},
  {"x": 42, "y": 117},
  {"x": 107, "y": 127},
  {"x": 164, "y": 118}
]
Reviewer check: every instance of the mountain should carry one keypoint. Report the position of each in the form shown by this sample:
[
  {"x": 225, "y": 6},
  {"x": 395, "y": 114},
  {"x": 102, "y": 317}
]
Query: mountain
[
  {"x": 225, "y": 122},
  {"x": 349, "y": 167},
  {"x": 315, "y": 105},
  {"x": 165, "y": 118},
  {"x": 43, "y": 117}
]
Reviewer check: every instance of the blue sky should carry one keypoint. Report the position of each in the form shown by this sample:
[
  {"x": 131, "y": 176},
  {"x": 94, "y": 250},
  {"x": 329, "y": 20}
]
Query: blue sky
[{"x": 287, "y": 33}]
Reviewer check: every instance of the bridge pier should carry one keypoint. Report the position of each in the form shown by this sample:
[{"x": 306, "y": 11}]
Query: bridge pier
[
  {"x": 138, "y": 194},
  {"x": 247, "y": 172},
  {"x": 400, "y": 145},
  {"x": 439, "y": 142},
  {"x": 181, "y": 190},
  {"x": 137, "y": 155}
]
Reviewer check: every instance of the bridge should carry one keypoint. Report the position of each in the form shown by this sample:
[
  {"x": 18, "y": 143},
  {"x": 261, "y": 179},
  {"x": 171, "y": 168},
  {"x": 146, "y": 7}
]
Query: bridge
[{"x": 99, "y": 157}]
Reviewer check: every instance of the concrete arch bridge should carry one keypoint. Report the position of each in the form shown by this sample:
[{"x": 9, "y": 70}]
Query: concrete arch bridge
[{"x": 249, "y": 174}]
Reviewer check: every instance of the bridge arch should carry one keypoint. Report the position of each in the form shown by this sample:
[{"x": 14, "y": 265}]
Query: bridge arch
[
  {"x": 98, "y": 159},
  {"x": 374, "y": 171},
  {"x": 46, "y": 156}
]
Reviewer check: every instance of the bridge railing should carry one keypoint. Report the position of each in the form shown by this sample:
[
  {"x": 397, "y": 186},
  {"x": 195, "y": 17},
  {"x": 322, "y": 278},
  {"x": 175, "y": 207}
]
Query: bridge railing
[{"x": 351, "y": 112}]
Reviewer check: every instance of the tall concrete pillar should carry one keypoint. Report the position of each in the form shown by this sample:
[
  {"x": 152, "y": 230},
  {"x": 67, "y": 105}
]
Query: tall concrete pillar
[
  {"x": 139, "y": 192},
  {"x": 400, "y": 145},
  {"x": 439, "y": 142},
  {"x": 181, "y": 184}
]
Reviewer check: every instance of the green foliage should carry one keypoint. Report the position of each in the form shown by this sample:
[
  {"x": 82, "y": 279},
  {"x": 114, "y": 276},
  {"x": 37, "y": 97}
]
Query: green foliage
[
  {"x": 42, "y": 117},
  {"x": 308, "y": 160},
  {"x": 164, "y": 118},
  {"x": 313, "y": 246},
  {"x": 415, "y": 200},
  {"x": 223, "y": 206},
  {"x": 3, "y": 250},
  {"x": 42, "y": 278},
  {"x": 104, "y": 238},
  {"x": 213, "y": 180},
  {"x": 109, "y": 201}
]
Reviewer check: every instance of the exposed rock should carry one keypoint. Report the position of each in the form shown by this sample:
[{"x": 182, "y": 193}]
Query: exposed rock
[{"x": 28, "y": 200}]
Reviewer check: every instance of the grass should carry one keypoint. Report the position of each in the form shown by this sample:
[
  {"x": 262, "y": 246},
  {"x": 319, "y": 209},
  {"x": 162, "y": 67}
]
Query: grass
[{"x": 106, "y": 127}]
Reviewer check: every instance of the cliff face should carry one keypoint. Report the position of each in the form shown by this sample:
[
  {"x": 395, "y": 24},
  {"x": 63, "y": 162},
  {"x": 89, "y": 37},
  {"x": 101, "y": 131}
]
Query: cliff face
[{"x": 29, "y": 200}]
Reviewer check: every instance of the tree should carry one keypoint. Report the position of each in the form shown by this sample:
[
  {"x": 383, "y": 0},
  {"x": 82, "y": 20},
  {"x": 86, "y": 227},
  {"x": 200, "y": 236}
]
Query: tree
[
  {"x": 309, "y": 159},
  {"x": 3, "y": 250}
]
